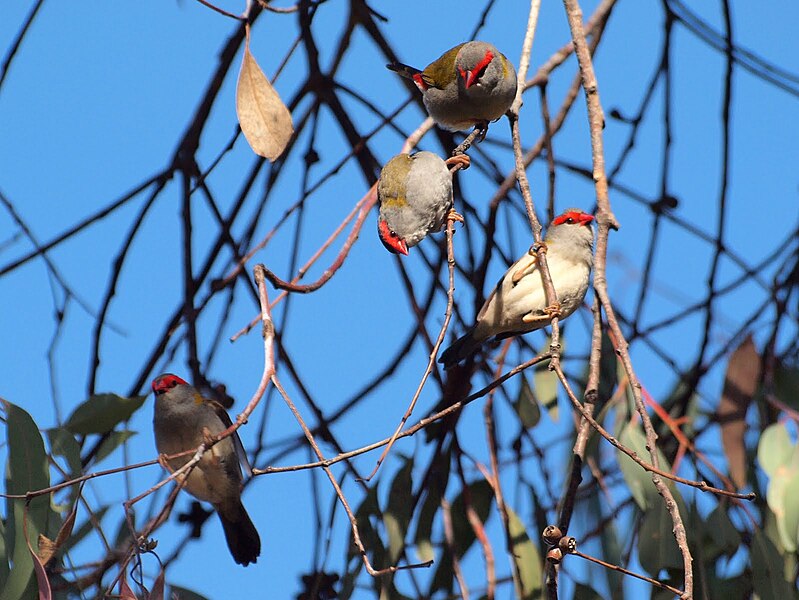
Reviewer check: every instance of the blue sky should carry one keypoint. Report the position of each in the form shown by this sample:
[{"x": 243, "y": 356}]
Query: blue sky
[{"x": 97, "y": 97}]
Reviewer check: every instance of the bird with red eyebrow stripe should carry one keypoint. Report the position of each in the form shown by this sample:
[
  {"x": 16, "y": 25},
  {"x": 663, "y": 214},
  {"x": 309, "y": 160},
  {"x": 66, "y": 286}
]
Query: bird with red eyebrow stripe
[
  {"x": 518, "y": 304},
  {"x": 469, "y": 85},
  {"x": 183, "y": 420}
]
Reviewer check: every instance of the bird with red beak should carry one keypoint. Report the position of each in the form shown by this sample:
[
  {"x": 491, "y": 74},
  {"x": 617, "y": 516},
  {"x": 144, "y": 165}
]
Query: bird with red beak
[{"x": 467, "y": 86}]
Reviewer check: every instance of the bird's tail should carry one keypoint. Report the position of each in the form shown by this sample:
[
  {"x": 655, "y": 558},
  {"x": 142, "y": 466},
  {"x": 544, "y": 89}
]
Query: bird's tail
[
  {"x": 460, "y": 349},
  {"x": 241, "y": 535},
  {"x": 403, "y": 70}
]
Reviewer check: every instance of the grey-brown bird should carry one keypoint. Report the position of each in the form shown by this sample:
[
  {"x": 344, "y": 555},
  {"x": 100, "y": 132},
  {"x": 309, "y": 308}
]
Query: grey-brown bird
[
  {"x": 414, "y": 193},
  {"x": 469, "y": 85},
  {"x": 183, "y": 420}
]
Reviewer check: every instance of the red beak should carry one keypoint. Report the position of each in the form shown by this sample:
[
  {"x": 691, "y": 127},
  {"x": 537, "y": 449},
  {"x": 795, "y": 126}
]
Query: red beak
[
  {"x": 469, "y": 77},
  {"x": 585, "y": 219},
  {"x": 391, "y": 242}
]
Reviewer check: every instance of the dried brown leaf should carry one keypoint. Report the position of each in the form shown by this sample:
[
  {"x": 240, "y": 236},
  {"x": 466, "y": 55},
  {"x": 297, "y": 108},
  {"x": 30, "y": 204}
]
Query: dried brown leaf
[
  {"x": 157, "y": 593},
  {"x": 264, "y": 119},
  {"x": 45, "y": 593},
  {"x": 48, "y": 547},
  {"x": 125, "y": 593},
  {"x": 740, "y": 383}
]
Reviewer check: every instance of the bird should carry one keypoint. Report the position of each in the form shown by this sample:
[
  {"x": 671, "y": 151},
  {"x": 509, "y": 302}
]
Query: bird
[
  {"x": 183, "y": 420},
  {"x": 414, "y": 193},
  {"x": 467, "y": 86},
  {"x": 518, "y": 303}
]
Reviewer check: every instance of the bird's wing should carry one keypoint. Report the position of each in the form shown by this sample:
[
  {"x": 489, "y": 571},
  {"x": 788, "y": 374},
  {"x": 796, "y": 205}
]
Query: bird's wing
[
  {"x": 441, "y": 70},
  {"x": 227, "y": 422},
  {"x": 522, "y": 267}
]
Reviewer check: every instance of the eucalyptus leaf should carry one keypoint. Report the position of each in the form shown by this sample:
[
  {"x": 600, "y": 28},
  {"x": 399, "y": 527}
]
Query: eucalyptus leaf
[
  {"x": 525, "y": 554},
  {"x": 774, "y": 448},
  {"x": 102, "y": 412},
  {"x": 27, "y": 471},
  {"x": 397, "y": 515},
  {"x": 526, "y": 406}
]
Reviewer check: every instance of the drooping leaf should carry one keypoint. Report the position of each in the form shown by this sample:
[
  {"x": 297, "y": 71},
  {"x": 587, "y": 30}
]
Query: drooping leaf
[
  {"x": 157, "y": 593},
  {"x": 545, "y": 383},
  {"x": 48, "y": 547},
  {"x": 740, "y": 383},
  {"x": 443, "y": 577},
  {"x": 434, "y": 491},
  {"x": 585, "y": 592},
  {"x": 84, "y": 530},
  {"x": 657, "y": 548},
  {"x": 178, "y": 593},
  {"x": 368, "y": 508},
  {"x": 3, "y": 553},
  {"x": 125, "y": 593},
  {"x": 397, "y": 515},
  {"x": 786, "y": 484},
  {"x": 722, "y": 531},
  {"x": 102, "y": 412},
  {"x": 113, "y": 441},
  {"x": 63, "y": 443},
  {"x": 27, "y": 471},
  {"x": 774, "y": 448},
  {"x": 786, "y": 384},
  {"x": 481, "y": 495},
  {"x": 45, "y": 593},
  {"x": 264, "y": 119},
  {"x": 608, "y": 377},
  {"x": 638, "y": 480},
  {"x": 769, "y": 581},
  {"x": 525, "y": 554},
  {"x": 526, "y": 406}
]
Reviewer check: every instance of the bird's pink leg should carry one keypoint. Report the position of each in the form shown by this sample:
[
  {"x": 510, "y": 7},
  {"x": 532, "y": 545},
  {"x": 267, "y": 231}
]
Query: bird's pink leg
[
  {"x": 454, "y": 215},
  {"x": 460, "y": 161}
]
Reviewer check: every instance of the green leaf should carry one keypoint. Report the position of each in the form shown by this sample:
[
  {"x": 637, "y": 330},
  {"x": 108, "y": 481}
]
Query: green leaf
[
  {"x": 397, "y": 515},
  {"x": 114, "y": 440},
  {"x": 444, "y": 575},
  {"x": 545, "y": 383},
  {"x": 638, "y": 480},
  {"x": 368, "y": 508},
  {"x": 63, "y": 443},
  {"x": 481, "y": 495},
  {"x": 657, "y": 548},
  {"x": 179, "y": 593},
  {"x": 102, "y": 412},
  {"x": 722, "y": 531},
  {"x": 774, "y": 449},
  {"x": 786, "y": 384},
  {"x": 585, "y": 592},
  {"x": 3, "y": 553},
  {"x": 788, "y": 521},
  {"x": 526, "y": 406},
  {"x": 27, "y": 471},
  {"x": 434, "y": 490},
  {"x": 769, "y": 581},
  {"x": 525, "y": 554},
  {"x": 608, "y": 378}
]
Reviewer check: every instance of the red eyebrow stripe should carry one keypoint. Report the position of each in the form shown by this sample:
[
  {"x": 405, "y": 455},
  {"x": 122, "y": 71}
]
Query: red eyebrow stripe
[
  {"x": 580, "y": 217},
  {"x": 480, "y": 67}
]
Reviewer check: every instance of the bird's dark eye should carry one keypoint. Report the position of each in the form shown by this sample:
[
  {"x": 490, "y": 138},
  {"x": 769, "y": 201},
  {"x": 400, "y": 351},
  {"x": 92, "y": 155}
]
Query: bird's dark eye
[
  {"x": 393, "y": 233},
  {"x": 570, "y": 220}
]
